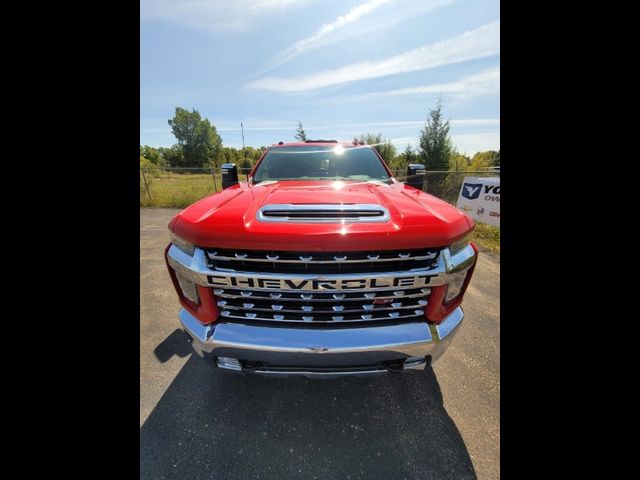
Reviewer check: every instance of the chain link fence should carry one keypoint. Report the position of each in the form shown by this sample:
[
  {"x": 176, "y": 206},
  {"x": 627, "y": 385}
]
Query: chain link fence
[
  {"x": 179, "y": 186},
  {"x": 446, "y": 184}
]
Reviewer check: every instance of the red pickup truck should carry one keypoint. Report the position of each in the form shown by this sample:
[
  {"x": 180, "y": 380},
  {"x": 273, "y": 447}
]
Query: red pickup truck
[{"x": 321, "y": 264}]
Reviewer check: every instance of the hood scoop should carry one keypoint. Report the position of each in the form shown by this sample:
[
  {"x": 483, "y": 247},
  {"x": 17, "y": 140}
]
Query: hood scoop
[{"x": 323, "y": 213}]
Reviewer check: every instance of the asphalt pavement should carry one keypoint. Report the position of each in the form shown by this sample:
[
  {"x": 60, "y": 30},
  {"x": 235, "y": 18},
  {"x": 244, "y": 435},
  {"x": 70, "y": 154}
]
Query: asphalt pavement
[{"x": 198, "y": 422}]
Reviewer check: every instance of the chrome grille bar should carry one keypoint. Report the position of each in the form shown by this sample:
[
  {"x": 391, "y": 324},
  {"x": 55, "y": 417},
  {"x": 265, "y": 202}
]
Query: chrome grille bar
[
  {"x": 308, "y": 308},
  {"x": 342, "y": 318},
  {"x": 267, "y": 258},
  {"x": 321, "y": 297},
  {"x": 321, "y": 263}
]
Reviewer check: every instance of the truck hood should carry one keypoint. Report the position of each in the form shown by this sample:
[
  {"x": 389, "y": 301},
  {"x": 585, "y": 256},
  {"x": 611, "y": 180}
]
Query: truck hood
[{"x": 228, "y": 219}]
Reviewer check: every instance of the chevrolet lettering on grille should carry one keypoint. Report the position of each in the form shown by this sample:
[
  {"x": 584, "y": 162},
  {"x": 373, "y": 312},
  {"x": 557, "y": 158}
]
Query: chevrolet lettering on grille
[{"x": 317, "y": 284}]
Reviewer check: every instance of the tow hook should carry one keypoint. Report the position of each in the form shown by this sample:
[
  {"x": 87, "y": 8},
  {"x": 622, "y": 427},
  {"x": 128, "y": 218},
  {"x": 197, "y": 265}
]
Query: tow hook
[{"x": 248, "y": 367}]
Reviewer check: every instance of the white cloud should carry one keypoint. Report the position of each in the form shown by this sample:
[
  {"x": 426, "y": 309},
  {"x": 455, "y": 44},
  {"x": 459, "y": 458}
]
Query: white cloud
[
  {"x": 268, "y": 126},
  {"x": 475, "y": 122},
  {"x": 248, "y": 127},
  {"x": 335, "y": 30},
  {"x": 483, "y": 83},
  {"x": 360, "y": 22},
  {"x": 213, "y": 15},
  {"x": 342, "y": 21},
  {"x": 467, "y": 122},
  {"x": 480, "y": 42}
]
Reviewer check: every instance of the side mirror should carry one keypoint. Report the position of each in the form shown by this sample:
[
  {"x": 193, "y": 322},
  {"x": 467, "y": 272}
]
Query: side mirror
[
  {"x": 415, "y": 175},
  {"x": 229, "y": 175}
]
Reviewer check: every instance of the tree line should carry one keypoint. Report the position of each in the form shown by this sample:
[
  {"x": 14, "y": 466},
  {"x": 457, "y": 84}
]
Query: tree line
[{"x": 199, "y": 146}]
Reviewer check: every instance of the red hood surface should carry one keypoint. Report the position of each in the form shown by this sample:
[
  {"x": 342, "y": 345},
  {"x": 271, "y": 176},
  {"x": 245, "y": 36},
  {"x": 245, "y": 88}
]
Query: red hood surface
[{"x": 228, "y": 219}]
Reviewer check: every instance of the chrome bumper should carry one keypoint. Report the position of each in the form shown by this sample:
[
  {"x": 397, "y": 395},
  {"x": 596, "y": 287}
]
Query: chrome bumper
[{"x": 314, "y": 351}]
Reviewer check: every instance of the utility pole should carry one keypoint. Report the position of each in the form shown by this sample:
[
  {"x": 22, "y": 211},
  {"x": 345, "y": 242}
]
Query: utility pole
[{"x": 244, "y": 153}]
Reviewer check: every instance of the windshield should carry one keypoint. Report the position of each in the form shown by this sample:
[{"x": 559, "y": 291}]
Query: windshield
[{"x": 321, "y": 163}]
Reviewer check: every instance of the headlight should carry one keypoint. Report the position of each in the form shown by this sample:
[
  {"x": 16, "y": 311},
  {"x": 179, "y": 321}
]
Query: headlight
[
  {"x": 182, "y": 244},
  {"x": 460, "y": 245}
]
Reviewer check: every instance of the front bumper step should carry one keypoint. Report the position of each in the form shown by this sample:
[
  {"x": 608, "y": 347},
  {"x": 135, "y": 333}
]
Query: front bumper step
[{"x": 321, "y": 350}]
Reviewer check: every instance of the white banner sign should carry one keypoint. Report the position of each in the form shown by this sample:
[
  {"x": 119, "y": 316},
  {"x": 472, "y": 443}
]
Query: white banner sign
[{"x": 480, "y": 199}]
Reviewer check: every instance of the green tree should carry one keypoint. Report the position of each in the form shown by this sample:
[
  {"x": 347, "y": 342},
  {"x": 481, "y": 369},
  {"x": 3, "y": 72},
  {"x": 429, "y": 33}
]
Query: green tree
[
  {"x": 227, "y": 155},
  {"x": 435, "y": 149},
  {"x": 237, "y": 156},
  {"x": 246, "y": 161},
  {"x": 484, "y": 160},
  {"x": 435, "y": 143},
  {"x": 300, "y": 133},
  {"x": 459, "y": 162},
  {"x": 409, "y": 154},
  {"x": 151, "y": 154},
  {"x": 146, "y": 164},
  {"x": 385, "y": 148},
  {"x": 400, "y": 163},
  {"x": 221, "y": 157},
  {"x": 369, "y": 138},
  {"x": 172, "y": 155},
  {"x": 197, "y": 138},
  {"x": 253, "y": 154}
]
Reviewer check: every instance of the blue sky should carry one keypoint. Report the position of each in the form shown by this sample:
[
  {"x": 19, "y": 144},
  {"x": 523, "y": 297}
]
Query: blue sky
[{"x": 341, "y": 67}]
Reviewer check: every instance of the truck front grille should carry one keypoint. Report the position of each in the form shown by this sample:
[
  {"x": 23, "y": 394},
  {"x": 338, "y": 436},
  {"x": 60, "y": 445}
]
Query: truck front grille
[{"x": 317, "y": 306}]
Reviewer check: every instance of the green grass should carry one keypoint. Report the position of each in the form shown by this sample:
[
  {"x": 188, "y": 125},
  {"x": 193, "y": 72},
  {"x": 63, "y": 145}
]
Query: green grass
[
  {"x": 177, "y": 191},
  {"x": 487, "y": 237}
]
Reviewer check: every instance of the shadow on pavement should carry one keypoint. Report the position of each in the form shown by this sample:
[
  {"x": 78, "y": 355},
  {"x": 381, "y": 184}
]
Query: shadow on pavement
[
  {"x": 214, "y": 424},
  {"x": 178, "y": 343}
]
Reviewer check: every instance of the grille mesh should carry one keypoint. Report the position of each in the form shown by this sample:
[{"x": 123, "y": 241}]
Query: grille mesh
[{"x": 321, "y": 306}]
